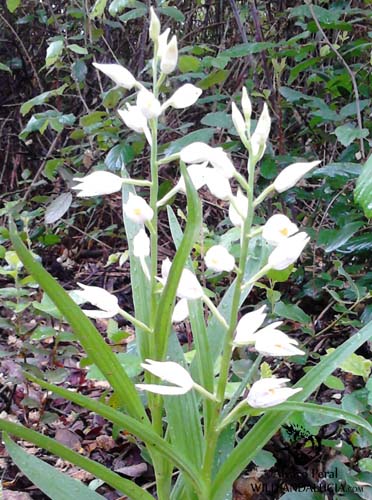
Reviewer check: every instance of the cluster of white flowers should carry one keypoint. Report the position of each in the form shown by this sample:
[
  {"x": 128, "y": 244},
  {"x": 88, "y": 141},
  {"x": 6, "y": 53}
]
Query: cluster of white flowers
[{"x": 211, "y": 167}]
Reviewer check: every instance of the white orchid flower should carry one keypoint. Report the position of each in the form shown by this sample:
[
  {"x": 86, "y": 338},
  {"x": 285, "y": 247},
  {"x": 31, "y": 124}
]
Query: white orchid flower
[
  {"x": 180, "y": 311},
  {"x": 106, "y": 303},
  {"x": 248, "y": 325},
  {"x": 261, "y": 133},
  {"x": 120, "y": 75},
  {"x": 270, "y": 392},
  {"x": 137, "y": 209},
  {"x": 196, "y": 152},
  {"x": 221, "y": 161},
  {"x": 219, "y": 259},
  {"x": 273, "y": 342},
  {"x": 141, "y": 249},
  {"x": 218, "y": 184},
  {"x": 241, "y": 203},
  {"x": 184, "y": 97},
  {"x": 148, "y": 104},
  {"x": 154, "y": 28},
  {"x": 169, "y": 57},
  {"x": 288, "y": 251},
  {"x": 170, "y": 372},
  {"x": 134, "y": 119},
  {"x": 292, "y": 174},
  {"x": 278, "y": 228},
  {"x": 163, "y": 42},
  {"x": 188, "y": 286},
  {"x": 98, "y": 183},
  {"x": 198, "y": 175}
]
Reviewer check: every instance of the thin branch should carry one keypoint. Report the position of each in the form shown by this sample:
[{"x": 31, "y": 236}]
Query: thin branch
[{"x": 348, "y": 69}]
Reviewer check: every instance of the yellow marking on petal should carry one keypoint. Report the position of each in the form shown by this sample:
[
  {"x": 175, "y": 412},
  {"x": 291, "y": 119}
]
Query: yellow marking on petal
[{"x": 284, "y": 231}]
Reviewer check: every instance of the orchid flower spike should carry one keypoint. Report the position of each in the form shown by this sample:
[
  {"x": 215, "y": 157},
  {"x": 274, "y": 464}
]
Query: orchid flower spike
[
  {"x": 170, "y": 372},
  {"x": 106, "y": 303},
  {"x": 288, "y": 251},
  {"x": 270, "y": 392},
  {"x": 292, "y": 174},
  {"x": 169, "y": 58},
  {"x": 248, "y": 325},
  {"x": 261, "y": 134},
  {"x": 219, "y": 259},
  {"x": 272, "y": 342},
  {"x": 137, "y": 209},
  {"x": 134, "y": 119},
  {"x": 277, "y": 229},
  {"x": 120, "y": 75},
  {"x": 98, "y": 183},
  {"x": 184, "y": 97}
]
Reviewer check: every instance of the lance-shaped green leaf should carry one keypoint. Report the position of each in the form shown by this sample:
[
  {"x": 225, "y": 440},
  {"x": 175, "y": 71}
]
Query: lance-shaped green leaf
[
  {"x": 98, "y": 470},
  {"x": 266, "y": 427},
  {"x": 90, "y": 338},
  {"x": 141, "y": 291},
  {"x": 363, "y": 188},
  {"x": 132, "y": 425},
  {"x": 166, "y": 303},
  {"x": 48, "y": 479}
]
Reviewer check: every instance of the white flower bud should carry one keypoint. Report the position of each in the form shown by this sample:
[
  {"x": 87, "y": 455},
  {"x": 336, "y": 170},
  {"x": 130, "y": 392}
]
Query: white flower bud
[
  {"x": 169, "y": 57},
  {"x": 137, "y": 209},
  {"x": 180, "y": 311},
  {"x": 238, "y": 121},
  {"x": 198, "y": 176},
  {"x": 219, "y": 259},
  {"x": 217, "y": 184},
  {"x": 196, "y": 152},
  {"x": 241, "y": 202},
  {"x": 120, "y": 75},
  {"x": 261, "y": 134},
  {"x": 149, "y": 106},
  {"x": 269, "y": 392},
  {"x": 154, "y": 29},
  {"x": 107, "y": 303},
  {"x": 163, "y": 42},
  {"x": 170, "y": 372},
  {"x": 272, "y": 342},
  {"x": 292, "y": 174},
  {"x": 141, "y": 244},
  {"x": 248, "y": 325},
  {"x": 98, "y": 183},
  {"x": 134, "y": 119},
  {"x": 185, "y": 96},
  {"x": 288, "y": 251},
  {"x": 277, "y": 229},
  {"x": 246, "y": 106}
]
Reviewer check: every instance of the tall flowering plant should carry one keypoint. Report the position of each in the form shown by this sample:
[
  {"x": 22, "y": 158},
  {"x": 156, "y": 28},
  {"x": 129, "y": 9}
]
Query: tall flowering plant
[{"x": 190, "y": 408}]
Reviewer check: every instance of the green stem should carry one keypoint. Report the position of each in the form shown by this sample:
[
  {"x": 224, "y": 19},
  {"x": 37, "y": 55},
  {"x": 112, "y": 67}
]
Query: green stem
[
  {"x": 213, "y": 430},
  {"x": 134, "y": 321},
  {"x": 260, "y": 198},
  {"x": 215, "y": 311}
]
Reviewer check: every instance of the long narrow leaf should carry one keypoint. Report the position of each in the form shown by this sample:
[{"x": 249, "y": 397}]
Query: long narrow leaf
[
  {"x": 98, "y": 470},
  {"x": 141, "y": 291},
  {"x": 91, "y": 340},
  {"x": 165, "y": 308},
  {"x": 266, "y": 427},
  {"x": 132, "y": 425},
  {"x": 53, "y": 483}
]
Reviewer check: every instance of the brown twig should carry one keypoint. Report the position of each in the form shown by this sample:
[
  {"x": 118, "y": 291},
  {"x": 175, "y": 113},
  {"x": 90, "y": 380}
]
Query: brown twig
[{"x": 348, "y": 69}]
